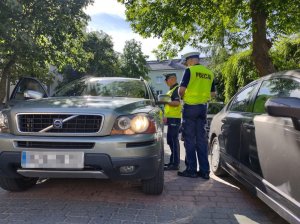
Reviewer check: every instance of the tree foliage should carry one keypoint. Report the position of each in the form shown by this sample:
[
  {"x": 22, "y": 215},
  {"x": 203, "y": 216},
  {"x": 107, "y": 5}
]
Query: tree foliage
[
  {"x": 218, "y": 57},
  {"x": 236, "y": 24},
  {"x": 286, "y": 52},
  {"x": 35, "y": 34},
  {"x": 237, "y": 72},
  {"x": 133, "y": 61},
  {"x": 105, "y": 60}
]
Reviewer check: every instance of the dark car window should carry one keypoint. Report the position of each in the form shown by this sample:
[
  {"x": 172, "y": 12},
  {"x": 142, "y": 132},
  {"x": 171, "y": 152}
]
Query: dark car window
[
  {"x": 279, "y": 87},
  {"x": 105, "y": 88},
  {"x": 241, "y": 101}
]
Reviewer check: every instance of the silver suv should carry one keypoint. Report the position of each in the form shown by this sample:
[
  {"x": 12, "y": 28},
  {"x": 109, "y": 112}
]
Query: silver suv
[{"x": 91, "y": 128}]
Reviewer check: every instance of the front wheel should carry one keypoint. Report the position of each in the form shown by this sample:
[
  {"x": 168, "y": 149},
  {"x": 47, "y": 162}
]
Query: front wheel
[
  {"x": 155, "y": 185},
  {"x": 215, "y": 159},
  {"x": 17, "y": 184}
]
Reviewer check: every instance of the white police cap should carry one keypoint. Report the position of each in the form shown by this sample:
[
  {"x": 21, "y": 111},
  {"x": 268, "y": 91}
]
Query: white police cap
[{"x": 190, "y": 55}]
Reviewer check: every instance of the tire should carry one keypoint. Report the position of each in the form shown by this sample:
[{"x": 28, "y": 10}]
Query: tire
[
  {"x": 155, "y": 185},
  {"x": 17, "y": 184},
  {"x": 215, "y": 160}
]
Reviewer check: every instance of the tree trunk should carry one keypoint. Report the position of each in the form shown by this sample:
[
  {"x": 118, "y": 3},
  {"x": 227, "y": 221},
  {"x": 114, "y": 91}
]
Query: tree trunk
[
  {"x": 4, "y": 77},
  {"x": 3, "y": 88},
  {"x": 261, "y": 45}
]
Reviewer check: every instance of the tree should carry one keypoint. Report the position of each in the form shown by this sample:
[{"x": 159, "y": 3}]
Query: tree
[
  {"x": 105, "y": 60},
  {"x": 133, "y": 61},
  {"x": 218, "y": 58},
  {"x": 236, "y": 24},
  {"x": 35, "y": 34},
  {"x": 237, "y": 72},
  {"x": 286, "y": 52}
]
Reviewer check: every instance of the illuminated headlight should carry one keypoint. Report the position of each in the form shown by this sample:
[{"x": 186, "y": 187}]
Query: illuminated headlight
[
  {"x": 134, "y": 124},
  {"x": 3, "y": 123},
  {"x": 139, "y": 123}
]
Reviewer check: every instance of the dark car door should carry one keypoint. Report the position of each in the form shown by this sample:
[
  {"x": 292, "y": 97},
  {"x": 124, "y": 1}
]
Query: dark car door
[
  {"x": 276, "y": 142},
  {"x": 248, "y": 157},
  {"x": 230, "y": 139}
]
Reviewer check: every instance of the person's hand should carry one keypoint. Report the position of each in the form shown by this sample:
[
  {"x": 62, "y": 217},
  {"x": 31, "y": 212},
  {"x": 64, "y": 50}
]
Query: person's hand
[{"x": 165, "y": 120}]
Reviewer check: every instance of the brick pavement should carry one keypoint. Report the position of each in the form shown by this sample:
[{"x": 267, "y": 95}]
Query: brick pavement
[
  {"x": 102, "y": 201},
  {"x": 184, "y": 201}
]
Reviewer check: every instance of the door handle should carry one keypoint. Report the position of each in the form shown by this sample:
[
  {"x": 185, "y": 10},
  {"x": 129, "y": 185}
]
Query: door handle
[{"x": 248, "y": 126}]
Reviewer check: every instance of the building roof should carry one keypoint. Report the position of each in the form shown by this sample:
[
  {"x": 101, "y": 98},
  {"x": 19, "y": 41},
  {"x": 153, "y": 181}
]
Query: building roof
[{"x": 172, "y": 64}]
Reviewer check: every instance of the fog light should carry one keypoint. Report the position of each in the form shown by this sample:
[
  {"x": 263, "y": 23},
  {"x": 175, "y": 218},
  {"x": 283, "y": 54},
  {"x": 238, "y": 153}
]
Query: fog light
[{"x": 127, "y": 169}]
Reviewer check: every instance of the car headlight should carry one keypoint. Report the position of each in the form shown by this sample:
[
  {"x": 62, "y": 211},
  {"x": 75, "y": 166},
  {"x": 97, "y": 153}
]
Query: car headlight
[
  {"x": 134, "y": 124},
  {"x": 139, "y": 123},
  {"x": 3, "y": 122}
]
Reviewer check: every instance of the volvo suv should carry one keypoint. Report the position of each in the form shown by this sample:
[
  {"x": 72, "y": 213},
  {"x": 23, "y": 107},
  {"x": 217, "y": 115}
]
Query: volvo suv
[{"x": 91, "y": 128}]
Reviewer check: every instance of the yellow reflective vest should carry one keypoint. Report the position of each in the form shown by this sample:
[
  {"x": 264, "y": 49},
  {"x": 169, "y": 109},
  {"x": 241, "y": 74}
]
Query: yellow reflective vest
[
  {"x": 172, "y": 111},
  {"x": 199, "y": 87}
]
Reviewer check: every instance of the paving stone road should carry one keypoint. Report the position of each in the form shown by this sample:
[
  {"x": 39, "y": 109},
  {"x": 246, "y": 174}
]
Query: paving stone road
[{"x": 184, "y": 201}]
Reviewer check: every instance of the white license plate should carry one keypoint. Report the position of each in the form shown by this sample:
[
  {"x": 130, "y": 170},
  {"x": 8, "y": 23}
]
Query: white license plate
[{"x": 54, "y": 160}]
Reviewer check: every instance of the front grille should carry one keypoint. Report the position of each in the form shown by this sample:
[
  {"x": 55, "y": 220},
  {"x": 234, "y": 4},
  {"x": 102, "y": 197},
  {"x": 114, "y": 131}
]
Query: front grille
[
  {"x": 56, "y": 145},
  {"x": 70, "y": 123}
]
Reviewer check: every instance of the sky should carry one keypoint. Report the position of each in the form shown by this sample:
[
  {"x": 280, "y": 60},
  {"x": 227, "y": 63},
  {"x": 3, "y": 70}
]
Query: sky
[{"x": 109, "y": 16}]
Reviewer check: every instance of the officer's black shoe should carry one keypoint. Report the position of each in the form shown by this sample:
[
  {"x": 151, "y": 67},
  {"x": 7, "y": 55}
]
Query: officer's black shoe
[
  {"x": 203, "y": 175},
  {"x": 187, "y": 173},
  {"x": 172, "y": 167},
  {"x": 167, "y": 164}
]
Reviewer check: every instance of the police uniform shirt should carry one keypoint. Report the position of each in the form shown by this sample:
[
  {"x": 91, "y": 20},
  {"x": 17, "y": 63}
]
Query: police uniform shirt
[
  {"x": 186, "y": 79},
  {"x": 175, "y": 95}
]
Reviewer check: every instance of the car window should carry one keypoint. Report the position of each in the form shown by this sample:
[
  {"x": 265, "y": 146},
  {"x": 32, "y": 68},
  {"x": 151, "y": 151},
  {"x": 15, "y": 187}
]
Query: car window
[
  {"x": 105, "y": 88},
  {"x": 241, "y": 101},
  {"x": 279, "y": 87},
  {"x": 27, "y": 84}
]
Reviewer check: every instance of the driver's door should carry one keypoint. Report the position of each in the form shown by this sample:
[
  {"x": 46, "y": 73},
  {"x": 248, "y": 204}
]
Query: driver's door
[{"x": 24, "y": 86}]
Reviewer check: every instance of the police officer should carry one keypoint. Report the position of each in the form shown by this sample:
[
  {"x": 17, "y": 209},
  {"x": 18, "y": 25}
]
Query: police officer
[
  {"x": 196, "y": 88},
  {"x": 172, "y": 113}
]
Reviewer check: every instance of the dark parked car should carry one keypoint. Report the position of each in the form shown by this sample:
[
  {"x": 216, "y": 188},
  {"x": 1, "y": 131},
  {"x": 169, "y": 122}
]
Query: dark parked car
[
  {"x": 92, "y": 128},
  {"x": 256, "y": 139},
  {"x": 212, "y": 109}
]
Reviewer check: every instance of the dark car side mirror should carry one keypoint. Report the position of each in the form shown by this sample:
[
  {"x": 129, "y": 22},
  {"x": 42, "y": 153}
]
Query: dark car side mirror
[{"x": 285, "y": 107}]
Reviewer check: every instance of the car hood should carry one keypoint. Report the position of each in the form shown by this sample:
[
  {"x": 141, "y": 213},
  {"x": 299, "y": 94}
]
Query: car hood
[{"x": 84, "y": 104}]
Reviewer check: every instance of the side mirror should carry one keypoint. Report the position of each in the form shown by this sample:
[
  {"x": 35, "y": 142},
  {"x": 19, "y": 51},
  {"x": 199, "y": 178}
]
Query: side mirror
[
  {"x": 163, "y": 99},
  {"x": 31, "y": 94},
  {"x": 285, "y": 107}
]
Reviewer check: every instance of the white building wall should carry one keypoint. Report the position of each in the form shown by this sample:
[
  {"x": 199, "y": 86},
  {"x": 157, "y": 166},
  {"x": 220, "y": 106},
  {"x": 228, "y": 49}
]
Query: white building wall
[{"x": 157, "y": 80}]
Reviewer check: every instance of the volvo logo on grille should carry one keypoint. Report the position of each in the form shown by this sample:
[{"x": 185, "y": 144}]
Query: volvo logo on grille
[{"x": 57, "y": 123}]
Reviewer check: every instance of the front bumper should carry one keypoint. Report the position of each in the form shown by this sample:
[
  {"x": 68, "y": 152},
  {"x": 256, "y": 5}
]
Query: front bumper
[
  {"x": 103, "y": 160},
  {"x": 96, "y": 165}
]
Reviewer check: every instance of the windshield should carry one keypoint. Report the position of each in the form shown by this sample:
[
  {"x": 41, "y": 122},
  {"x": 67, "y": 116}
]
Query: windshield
[{"x": 105, "y": 87}]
